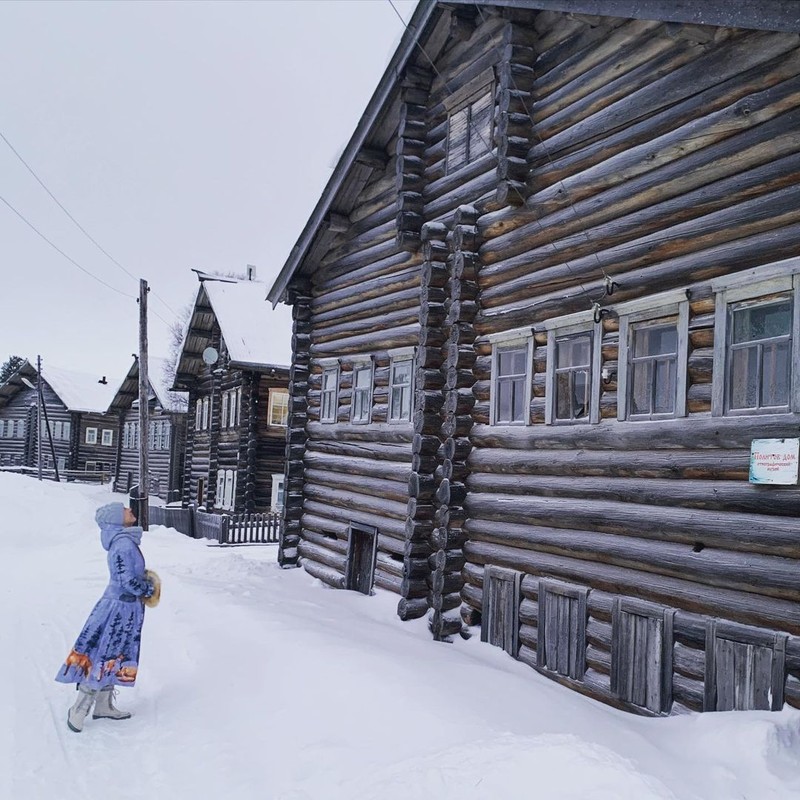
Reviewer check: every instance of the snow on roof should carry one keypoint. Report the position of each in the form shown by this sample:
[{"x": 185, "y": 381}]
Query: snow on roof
[
  {"x": 255, "y": 334},
  {"x": 160, "y": 377},
  {"x": 79, "y": 391}
]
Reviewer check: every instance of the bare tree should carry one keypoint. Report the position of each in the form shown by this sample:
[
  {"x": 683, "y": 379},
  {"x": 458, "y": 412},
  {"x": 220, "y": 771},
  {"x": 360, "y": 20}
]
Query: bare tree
[{"x": 176, "y": 333}]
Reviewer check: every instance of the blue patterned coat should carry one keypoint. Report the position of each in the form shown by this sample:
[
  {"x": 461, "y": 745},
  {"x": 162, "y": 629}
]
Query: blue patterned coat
[{"x": 106, "y": 653}]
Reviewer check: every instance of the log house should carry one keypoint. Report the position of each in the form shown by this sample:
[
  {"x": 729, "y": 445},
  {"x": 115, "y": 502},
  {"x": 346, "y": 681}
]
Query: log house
[
  {"x": 233, "y": 364},
  {"x": 166, "y": 437},
  {"x": 84, "y": 435},
  {"x": 546, "y": 302}
]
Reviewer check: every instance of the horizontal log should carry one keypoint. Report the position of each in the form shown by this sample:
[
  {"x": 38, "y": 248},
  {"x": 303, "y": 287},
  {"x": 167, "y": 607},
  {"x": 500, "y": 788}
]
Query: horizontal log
[
  {"x": 749, "y": 533},
  {"x": 720, "y": 495},
  {"x": 392, "y": 528},
  {"x": 357, "y": 466},
  {"x": 384, "y": 454},
  {"x": 322, "y": 555},
  {"x": 712, "y": 433},
  {"x": 328, "y": 576},
  {"x": 358, "y": 484},
  {"x": 673, "y": 592},
  {"x": 709, "y": 464},
  {"x": 385, "y": 433},
  {"x": 348, "y": 500}
]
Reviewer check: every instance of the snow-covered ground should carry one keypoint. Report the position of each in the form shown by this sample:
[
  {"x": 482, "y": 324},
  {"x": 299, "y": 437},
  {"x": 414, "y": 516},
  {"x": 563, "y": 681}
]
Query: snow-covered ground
[{"x": 257, "y": 682}]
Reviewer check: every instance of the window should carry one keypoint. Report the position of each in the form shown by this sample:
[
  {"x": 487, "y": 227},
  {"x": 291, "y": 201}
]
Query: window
[
  {"x": 66, "y": 430},
  {"x": 510, "y": 383},
  {"x": 225, "y": 409},
  {"x": 20, "y": 429},
  {"x": 229, "y": 415},
  {"x": 278, "y": 413},
  {"x": 226, "y": 489},
  {"x": 653, "y": 355},
  {"x": 108, "y": 437},
  {"x": 61, "y": 461},
  {"x": 573, "y": 372},
  {"x": 361, "y": 409},
  {"x": 91, "y": 436},
  {"x": 469, "y": 130},
  {"x": 206, "y": 413},
  {"x": 329, "y": 398},
  {"x": 277, "y": 493},
  {"x": 164, "y": 435},
  {"x": 2, "y": 428},
  {"x": 400, "y": 372},
  {"x": 756, "y": 326},
  {"x": 237, "y": 407},
  {"x": 198, "y": 415}
]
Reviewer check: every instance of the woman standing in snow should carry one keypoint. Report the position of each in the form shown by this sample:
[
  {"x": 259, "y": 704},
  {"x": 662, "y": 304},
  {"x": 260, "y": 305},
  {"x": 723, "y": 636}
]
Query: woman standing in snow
[{"x": 106, "y": 654}]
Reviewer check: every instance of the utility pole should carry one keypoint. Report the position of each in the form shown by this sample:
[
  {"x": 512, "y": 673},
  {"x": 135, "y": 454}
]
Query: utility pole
[
  {"x": 39, "y": 419},
  {"x": 144, "y": 409}
]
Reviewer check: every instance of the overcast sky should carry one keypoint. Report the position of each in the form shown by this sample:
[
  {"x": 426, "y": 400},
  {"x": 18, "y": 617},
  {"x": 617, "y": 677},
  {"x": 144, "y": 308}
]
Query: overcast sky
[{"x": 179, "y": 135}]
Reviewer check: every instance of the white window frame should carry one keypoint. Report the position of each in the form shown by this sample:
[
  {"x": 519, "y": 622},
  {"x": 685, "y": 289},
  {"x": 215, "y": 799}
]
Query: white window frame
[
  {"x": 226, "y": 489},
  {"x": 329, "y": 369},
  {"x": 511, "y": 340},
  {"x": 665, "y": 306},
  {"x": 90, "y": 436},
  {"x": 224, "y": 414},
  {"x": 66, "y": 430},
  {"x": 769, "y": 281},
  {"x": 274, "y": 395},
  {"x": 198, "y": 415},
  {"x": 110, "y": 437},
  {"x": 399, "y": 356},
  {"x": 278, "y": 488},
  {"x": 20, "y": 429},
  {"x": 365, "y": 366},
  {"x": 556, "y": 332},
  {"x": 237, "y": 406},
  {"x": 206, "y": 420},
  {"x": 61, "y": 462}
]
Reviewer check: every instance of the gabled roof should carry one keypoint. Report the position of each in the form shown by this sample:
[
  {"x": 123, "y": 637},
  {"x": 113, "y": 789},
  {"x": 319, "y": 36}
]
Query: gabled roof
[
  {"x": 256, "y": 335},
  {"x": 128, "y": 392},
  {"x": 428, "y": 30},
  {"x": 76, "y": 390}
]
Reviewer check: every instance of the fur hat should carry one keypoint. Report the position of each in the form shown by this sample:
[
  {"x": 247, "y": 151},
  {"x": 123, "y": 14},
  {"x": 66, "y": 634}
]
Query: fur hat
[
  {"x": 110, "y": 514},
  {"x": 153, "y": 600}
]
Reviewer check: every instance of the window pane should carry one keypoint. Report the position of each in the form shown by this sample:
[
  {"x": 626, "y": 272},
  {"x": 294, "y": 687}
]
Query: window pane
[
  {"x": 665, "y": 388},
  {"x": 776, "y": 374},
  {"x": 402, "y": 372},
  {"x": 744, "y": 377},
  {"x": 573, "y": 352},
  {"x": 511, "y": 362},
  {"x": 362, "y": 378},
  {"x": 405, "y": 405},
  {"x": 655, "y": 341},
  {"x": 504, "y": 392},
  {"x": 762, "y": 322},
  {"x": 641, "y": 386}
]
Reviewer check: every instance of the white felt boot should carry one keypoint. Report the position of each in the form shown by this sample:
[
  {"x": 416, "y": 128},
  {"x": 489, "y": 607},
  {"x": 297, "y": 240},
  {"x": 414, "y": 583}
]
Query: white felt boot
[
  {"x": 104, "y": 707},
  {"x": 80, "y": 708}
]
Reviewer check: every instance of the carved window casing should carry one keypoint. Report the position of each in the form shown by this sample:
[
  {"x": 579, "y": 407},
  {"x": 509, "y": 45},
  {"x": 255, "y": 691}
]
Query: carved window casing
[{"x": 329, "y": 398}]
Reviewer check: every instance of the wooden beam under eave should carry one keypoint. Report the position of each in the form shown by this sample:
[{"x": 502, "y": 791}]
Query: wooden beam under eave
[{"x": 372, "y": 157}]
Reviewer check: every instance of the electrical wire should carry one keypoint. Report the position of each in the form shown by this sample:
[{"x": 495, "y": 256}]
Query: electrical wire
[
  {"x": 72, "y": 260},
  {"x": 75, "y": 222}
]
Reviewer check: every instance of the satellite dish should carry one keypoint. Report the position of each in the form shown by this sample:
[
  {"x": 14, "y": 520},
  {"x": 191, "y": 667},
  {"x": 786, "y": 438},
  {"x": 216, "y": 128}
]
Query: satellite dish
[{"x": 210, "y": 355}]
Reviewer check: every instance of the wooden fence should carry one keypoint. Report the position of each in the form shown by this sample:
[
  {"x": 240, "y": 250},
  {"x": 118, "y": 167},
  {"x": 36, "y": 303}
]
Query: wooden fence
[{"x": 222, "y": 528}]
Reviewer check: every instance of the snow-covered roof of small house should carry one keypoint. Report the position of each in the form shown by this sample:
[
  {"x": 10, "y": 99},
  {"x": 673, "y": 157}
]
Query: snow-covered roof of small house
[
  {"x": 256, "y": 336},
  {"x": 78, "y": 391},
  {"x": 160, "y": 378}
]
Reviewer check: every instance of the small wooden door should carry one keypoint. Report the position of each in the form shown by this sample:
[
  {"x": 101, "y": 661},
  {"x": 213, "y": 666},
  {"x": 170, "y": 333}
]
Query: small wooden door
[
  {"x": 500, "y": 614},
  {"x": 362, "y": 551}
]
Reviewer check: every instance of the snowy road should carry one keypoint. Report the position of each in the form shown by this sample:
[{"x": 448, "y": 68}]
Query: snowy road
[{"x": 259, "y": 683}]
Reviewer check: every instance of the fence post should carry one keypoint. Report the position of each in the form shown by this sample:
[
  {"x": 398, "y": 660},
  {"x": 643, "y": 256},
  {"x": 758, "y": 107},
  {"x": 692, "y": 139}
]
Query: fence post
[
  {"x": 192, "y": 522},
  {"x": 223, "y": 530}
]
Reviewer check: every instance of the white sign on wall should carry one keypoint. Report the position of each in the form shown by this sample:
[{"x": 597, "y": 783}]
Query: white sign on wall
[{"x": 774, "y": 461}]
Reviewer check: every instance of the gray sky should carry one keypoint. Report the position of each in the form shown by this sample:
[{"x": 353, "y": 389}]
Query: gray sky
[{"x": 180, "y": 135}]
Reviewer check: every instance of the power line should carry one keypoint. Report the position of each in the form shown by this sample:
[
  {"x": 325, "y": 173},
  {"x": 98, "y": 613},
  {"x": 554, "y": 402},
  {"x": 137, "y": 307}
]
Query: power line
[
  {"x": 76, "y": 223},
  {"x": 72, "y": 260}
]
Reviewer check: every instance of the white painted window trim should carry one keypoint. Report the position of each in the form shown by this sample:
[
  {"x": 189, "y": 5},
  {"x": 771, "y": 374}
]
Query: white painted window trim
[
  {"x": 679, "y": 309},
  {"x": 329, "y": 369},
  {"x": 224, "y": 420},
  {"x": 507, "y": 341},
  {"x": 110, "y": 437},
  {"x": 90, "y": 436},
  {"x": 366, "y": 364},
  {"x": 398, "y": 356},
  {"x": 198, "y": 414},
  {"x": 274, "y": 394},
  {"x": 574, "y": 329},
  {"x": 738, "y": 290},
  {"x": 278, "y": 481}
]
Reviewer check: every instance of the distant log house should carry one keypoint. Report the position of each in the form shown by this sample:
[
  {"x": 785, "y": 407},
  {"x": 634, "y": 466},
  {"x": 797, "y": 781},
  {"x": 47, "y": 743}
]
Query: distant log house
[
  {"x": 546, "y": 302},
  {"x": 233, "y": 363},
  {"x": 166, "y": 438},
  {"x": 83, "y": 435}
]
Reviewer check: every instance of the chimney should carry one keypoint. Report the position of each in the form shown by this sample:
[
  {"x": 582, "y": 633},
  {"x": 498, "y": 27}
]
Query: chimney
[
  {"x": 251, "y": 272},
  {"x": 103, "y": 380}
]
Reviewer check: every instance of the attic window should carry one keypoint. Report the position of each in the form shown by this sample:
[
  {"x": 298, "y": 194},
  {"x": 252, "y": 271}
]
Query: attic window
[{"x": 469, "y": 130}]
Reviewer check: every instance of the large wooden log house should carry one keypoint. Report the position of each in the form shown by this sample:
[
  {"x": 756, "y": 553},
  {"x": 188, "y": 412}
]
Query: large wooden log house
[
  {"x": 83, "y": 435},
  {"x": 234, "y": 364},
  {"x": 166, "y": 438},
  {"x": 545, "y": 304}
]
